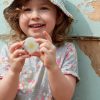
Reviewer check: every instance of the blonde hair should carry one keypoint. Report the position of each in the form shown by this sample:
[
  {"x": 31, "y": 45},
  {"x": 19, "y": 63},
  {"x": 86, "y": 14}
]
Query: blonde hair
[{"x": 59, "y": 35}]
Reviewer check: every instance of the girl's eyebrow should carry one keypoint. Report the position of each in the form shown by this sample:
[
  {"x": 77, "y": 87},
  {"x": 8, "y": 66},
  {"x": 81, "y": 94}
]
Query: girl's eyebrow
[{"x": 45, "y": 3}]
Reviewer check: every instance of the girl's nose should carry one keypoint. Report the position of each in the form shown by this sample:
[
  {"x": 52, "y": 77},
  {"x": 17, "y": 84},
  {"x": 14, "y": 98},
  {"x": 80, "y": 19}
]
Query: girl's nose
[{"x": 34, "y": 15}]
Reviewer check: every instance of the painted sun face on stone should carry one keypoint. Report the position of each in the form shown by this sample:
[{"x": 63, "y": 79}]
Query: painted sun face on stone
[{"x": 30, "y": 45}]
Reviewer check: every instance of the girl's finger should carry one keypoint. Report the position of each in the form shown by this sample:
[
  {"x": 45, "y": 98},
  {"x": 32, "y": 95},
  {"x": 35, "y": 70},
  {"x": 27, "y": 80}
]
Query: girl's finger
[
  {"x": 15, "y": 46},
  {"x": 19, "y": 53},
  {"x": 40, "y": 40},
  {"x": 23, "y": 57},
  {"x": 43, "y": 51},
  {"x": 46, "y": 45},
  {"x": 36, "y": 54},
  {"x": 47, "y": 36}
]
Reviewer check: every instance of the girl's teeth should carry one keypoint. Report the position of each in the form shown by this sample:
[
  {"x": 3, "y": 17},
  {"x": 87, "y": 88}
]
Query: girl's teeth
[{"x": 36, "y": 26}]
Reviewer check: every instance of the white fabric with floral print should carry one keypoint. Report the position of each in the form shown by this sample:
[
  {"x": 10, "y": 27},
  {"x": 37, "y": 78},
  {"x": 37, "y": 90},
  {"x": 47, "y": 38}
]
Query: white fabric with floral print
[{"x": 33, "y": 84}]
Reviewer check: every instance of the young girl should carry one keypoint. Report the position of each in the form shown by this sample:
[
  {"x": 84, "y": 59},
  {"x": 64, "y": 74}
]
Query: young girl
[{"x": 51, "y": 72}]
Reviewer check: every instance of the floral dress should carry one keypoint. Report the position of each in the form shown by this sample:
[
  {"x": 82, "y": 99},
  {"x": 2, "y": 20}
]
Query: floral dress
[{"x": 33, "y": 83}]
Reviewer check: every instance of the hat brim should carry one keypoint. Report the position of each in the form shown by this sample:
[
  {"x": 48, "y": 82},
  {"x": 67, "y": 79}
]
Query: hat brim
[{"x": 61, "y": 5}]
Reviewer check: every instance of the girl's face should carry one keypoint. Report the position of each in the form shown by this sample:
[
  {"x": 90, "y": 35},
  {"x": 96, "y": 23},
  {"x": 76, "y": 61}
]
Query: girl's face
[{"x": 38, "y": 16}]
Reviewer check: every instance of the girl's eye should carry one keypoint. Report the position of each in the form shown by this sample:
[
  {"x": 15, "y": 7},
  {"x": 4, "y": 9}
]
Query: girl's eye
[
  {"x": 44, "y": 8},
  {"x": 27, "y": 9}
]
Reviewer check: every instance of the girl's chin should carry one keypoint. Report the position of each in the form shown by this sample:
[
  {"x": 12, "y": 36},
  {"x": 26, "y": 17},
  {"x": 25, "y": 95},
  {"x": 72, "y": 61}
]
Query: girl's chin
[{"x": 35, "y": 36}]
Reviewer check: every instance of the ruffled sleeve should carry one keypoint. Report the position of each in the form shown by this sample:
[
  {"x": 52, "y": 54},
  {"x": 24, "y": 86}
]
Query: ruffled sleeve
[{"x": 70, "y": 62}]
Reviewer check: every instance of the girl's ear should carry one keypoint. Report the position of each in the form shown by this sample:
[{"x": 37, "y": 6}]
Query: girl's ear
[{"x": 59, "y": 18}]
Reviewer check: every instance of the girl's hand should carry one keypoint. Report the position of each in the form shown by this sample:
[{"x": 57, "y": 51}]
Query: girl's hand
[
  {"x": 17, "y": 57},
  {"x": 47, "y": 52}
]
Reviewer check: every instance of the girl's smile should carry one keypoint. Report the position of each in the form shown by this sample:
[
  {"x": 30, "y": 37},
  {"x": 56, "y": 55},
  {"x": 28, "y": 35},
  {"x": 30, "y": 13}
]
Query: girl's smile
[{"x": 36, "y": 26}]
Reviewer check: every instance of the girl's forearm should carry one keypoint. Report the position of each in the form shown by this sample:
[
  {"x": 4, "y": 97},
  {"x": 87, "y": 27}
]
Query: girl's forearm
[
  {"x": 62, "y": 87},
  {"x": 9, "y": 86}
]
